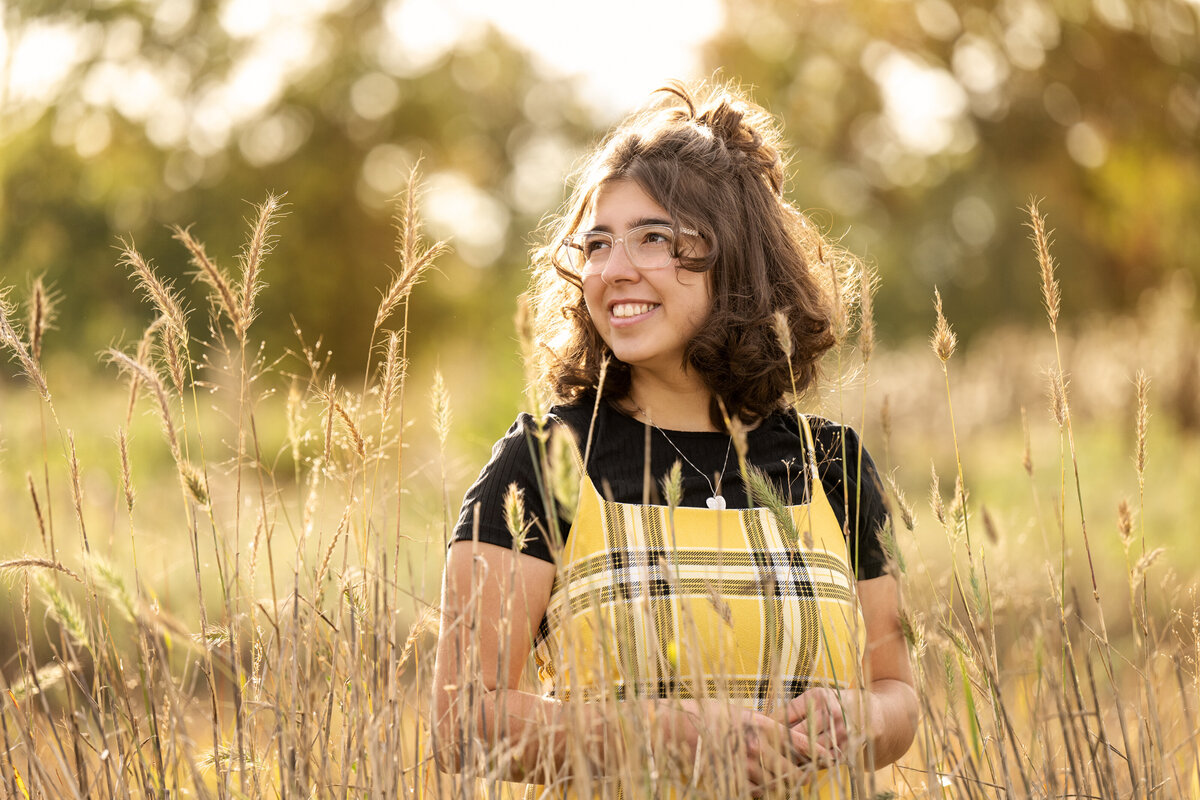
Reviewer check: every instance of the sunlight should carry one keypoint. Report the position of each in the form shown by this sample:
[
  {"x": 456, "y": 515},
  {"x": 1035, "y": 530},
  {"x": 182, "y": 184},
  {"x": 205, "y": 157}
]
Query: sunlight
[{"x": 922, "y": 103}]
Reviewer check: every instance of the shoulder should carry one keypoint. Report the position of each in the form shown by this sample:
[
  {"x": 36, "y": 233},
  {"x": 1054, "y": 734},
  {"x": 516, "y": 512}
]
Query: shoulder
[{"x": 828, "y": 435}]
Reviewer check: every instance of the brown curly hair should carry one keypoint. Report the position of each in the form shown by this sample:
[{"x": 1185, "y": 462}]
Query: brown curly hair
[{"x": 712, "y": 160}]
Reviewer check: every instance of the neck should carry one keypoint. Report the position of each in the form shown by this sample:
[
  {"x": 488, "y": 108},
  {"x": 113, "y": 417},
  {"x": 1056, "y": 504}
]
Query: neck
[{"x": 679, "y": 404}]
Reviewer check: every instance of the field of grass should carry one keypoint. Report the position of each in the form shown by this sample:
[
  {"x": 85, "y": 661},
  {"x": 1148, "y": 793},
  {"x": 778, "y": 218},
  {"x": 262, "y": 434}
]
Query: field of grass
[{"x": 229, "y": 588}]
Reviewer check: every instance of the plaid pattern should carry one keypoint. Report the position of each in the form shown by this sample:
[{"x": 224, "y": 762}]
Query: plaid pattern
[
  {"x": 695, "y": 602},
  {"x": 651, "y": 602}
]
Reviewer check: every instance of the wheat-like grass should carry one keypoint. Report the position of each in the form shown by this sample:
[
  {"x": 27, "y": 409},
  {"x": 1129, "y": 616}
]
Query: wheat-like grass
[
  {"x": 158, "y": 291},
  {"x": 212, "y": 275},
  {"x": 42, "y": 313},
  {"x": 12, "y": 340},
  {"x": 259, "y": 244},
  {"x": 415, "y": 258},
  {"x": 308, "y": 692}
]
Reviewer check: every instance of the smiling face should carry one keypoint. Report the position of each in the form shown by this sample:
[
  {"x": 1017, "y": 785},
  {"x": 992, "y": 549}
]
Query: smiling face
[{"x": 647, "y": 317}]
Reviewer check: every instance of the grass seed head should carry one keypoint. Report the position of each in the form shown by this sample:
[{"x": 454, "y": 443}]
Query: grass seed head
[
  {"x": 1051, "y": 295},
  {"x": 221, "y": 289},
  {"x": 41, "y": 315},
  {"x": 64, "y": 611},
  {"x": 1059, "y": 409},
  {"x": 439, "y": 398},
  {"x": 672, "y": 485},
  {"x": 414, "y": 257},
  {"x": 161, "y": 293},
  {"x": 1125, "y": 521},
  {"x": 259, "y": 244},
  {"x": 906, "y": 510},
  {"x": 866, "y": 331},
  {"x": 11, "y": 339},
  {"x": 196, "y": 485},
  {"x": 935, "y": 495},
  {"x": 944, "y": 340},
  {"x": 514, "y": 516},
  {"x": 565, "y": 471},
  {"x": 783, "y": 334},
  {"x": 126, "y": 471},
  {"x": 1142, "y": 424}
]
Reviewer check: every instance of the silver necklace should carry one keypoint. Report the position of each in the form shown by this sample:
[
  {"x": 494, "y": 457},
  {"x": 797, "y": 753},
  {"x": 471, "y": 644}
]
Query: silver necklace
[{"x": 715, "y": 500}]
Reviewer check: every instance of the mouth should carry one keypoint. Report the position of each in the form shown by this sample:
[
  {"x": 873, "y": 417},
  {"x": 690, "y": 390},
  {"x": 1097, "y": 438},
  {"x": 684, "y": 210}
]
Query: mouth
[{"x": 631, "y": 310}]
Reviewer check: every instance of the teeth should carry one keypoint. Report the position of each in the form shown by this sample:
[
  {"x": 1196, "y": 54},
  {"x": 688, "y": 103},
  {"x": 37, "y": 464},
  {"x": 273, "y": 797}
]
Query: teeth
[{"x": 632, "y": 309}]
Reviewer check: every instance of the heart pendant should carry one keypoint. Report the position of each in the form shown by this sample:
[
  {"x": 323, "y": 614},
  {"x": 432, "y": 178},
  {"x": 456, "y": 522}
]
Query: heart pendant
[{"x": 717, "y": 503}]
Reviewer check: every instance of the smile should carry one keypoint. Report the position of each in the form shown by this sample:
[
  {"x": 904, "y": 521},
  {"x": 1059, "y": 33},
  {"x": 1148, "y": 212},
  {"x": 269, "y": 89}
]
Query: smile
[{"x": 626, "y": 310}]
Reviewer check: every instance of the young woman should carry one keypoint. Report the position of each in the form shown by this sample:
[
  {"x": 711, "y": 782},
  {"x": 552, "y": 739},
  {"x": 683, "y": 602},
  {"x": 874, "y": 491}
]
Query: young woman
[{"x": 705, "y": 597}]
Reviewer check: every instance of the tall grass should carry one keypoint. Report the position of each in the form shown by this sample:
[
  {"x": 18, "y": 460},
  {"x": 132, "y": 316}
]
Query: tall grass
[{"x": 298, "y": 661}]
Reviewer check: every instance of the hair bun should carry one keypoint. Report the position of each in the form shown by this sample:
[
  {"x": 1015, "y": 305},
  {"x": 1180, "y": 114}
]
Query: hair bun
[{"x": 745, "y": 131}]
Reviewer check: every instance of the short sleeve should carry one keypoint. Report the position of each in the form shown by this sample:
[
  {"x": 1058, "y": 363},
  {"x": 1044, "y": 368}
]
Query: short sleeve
[
  {"x": 482, "y": 513},
  {"x": 853, "y": 483}
]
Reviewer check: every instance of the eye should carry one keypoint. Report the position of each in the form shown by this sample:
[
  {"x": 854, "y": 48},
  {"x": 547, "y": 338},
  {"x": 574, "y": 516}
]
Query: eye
[
  {"x": 590, "y": 243},
  {"x": 655, "y": 237}
]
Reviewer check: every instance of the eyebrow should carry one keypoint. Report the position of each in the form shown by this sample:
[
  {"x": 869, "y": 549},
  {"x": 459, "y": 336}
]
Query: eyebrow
[{"x": 637, "y": 223}]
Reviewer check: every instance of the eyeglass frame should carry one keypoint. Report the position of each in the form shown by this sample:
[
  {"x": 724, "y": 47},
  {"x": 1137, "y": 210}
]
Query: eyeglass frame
[{"x": 583, "y": 272}]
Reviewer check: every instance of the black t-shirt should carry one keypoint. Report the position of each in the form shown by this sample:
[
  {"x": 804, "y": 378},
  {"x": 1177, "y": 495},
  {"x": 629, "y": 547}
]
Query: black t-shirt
[{"x": 616, "y": 465}]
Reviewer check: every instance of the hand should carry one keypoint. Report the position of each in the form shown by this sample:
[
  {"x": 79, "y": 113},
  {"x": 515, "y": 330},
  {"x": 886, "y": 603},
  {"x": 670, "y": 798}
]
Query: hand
[
  {"x": 837, "y": 720},
  {"x": 773, "y": 755}
]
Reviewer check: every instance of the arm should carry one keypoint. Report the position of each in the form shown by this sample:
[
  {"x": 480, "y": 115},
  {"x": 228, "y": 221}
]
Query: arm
[
  {"x": 492, "y": 603},
  {"x": 885, "y": 712}
]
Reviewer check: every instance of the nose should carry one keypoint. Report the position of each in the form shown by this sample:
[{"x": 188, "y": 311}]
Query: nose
[{"x": 618, "y": 267}]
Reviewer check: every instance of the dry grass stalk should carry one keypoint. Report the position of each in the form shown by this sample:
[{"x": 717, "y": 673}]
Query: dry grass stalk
[
  {"x": 142, "y": 356},
  {"x": 64, "y": 611},
  {"x": 11, "y": 339},
  {"x": 944, "y": 340},
  {"x": 41, "y": 316},
  {"x": 840, "y": 318},
  {"x": 195, "y": 482},
  {"x": 323, "y": 570},
  {"x": 1125, "y": 521},
  {"x": 257, "y": 247},
  {"x": 439, "y": 398},
  {"x": 330, "y": 394},
  {"x": 866, "y": 335},
  {"x": 46, "y": 677},
  {"x": 415, "y": 258},
  {"x": 672, "y": 485},
  {"x": 30, "y": 562},
  {"x": 77, "y": 490},
  {"x": 175, "y": 364},
  {"x": 1059, "y": 409},
  {"x": 152, "y": 379},
  {"x": 210, "y": 274},
  {"x": 126, "y": 471},
  {"x": 294, "y": 402},
  {"x": 906, "y": 509},
  {"x": 161, "y": 293},
  {"x": 514, "y": 516},
  {"x": 783, "y": 334},
  {"x": 37, "y": 511},
  {"x": 1142, "y": 382},
  {"x": 394, "y": 369},
  {"x": 360, "y": 445},
  {"x": 1051, "y": 295},
  {"x": 935, "y": 495}
]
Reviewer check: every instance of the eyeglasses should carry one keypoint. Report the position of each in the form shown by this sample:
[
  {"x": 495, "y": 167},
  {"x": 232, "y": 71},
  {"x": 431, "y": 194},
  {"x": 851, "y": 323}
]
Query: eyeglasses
[{"x": 647, "y": 246}]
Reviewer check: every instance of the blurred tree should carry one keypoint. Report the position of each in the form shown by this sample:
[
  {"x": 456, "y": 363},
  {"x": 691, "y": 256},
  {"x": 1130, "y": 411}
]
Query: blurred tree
[
  {"x": 923, "y": 128},
  {"x": 179, "y": 112}
]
